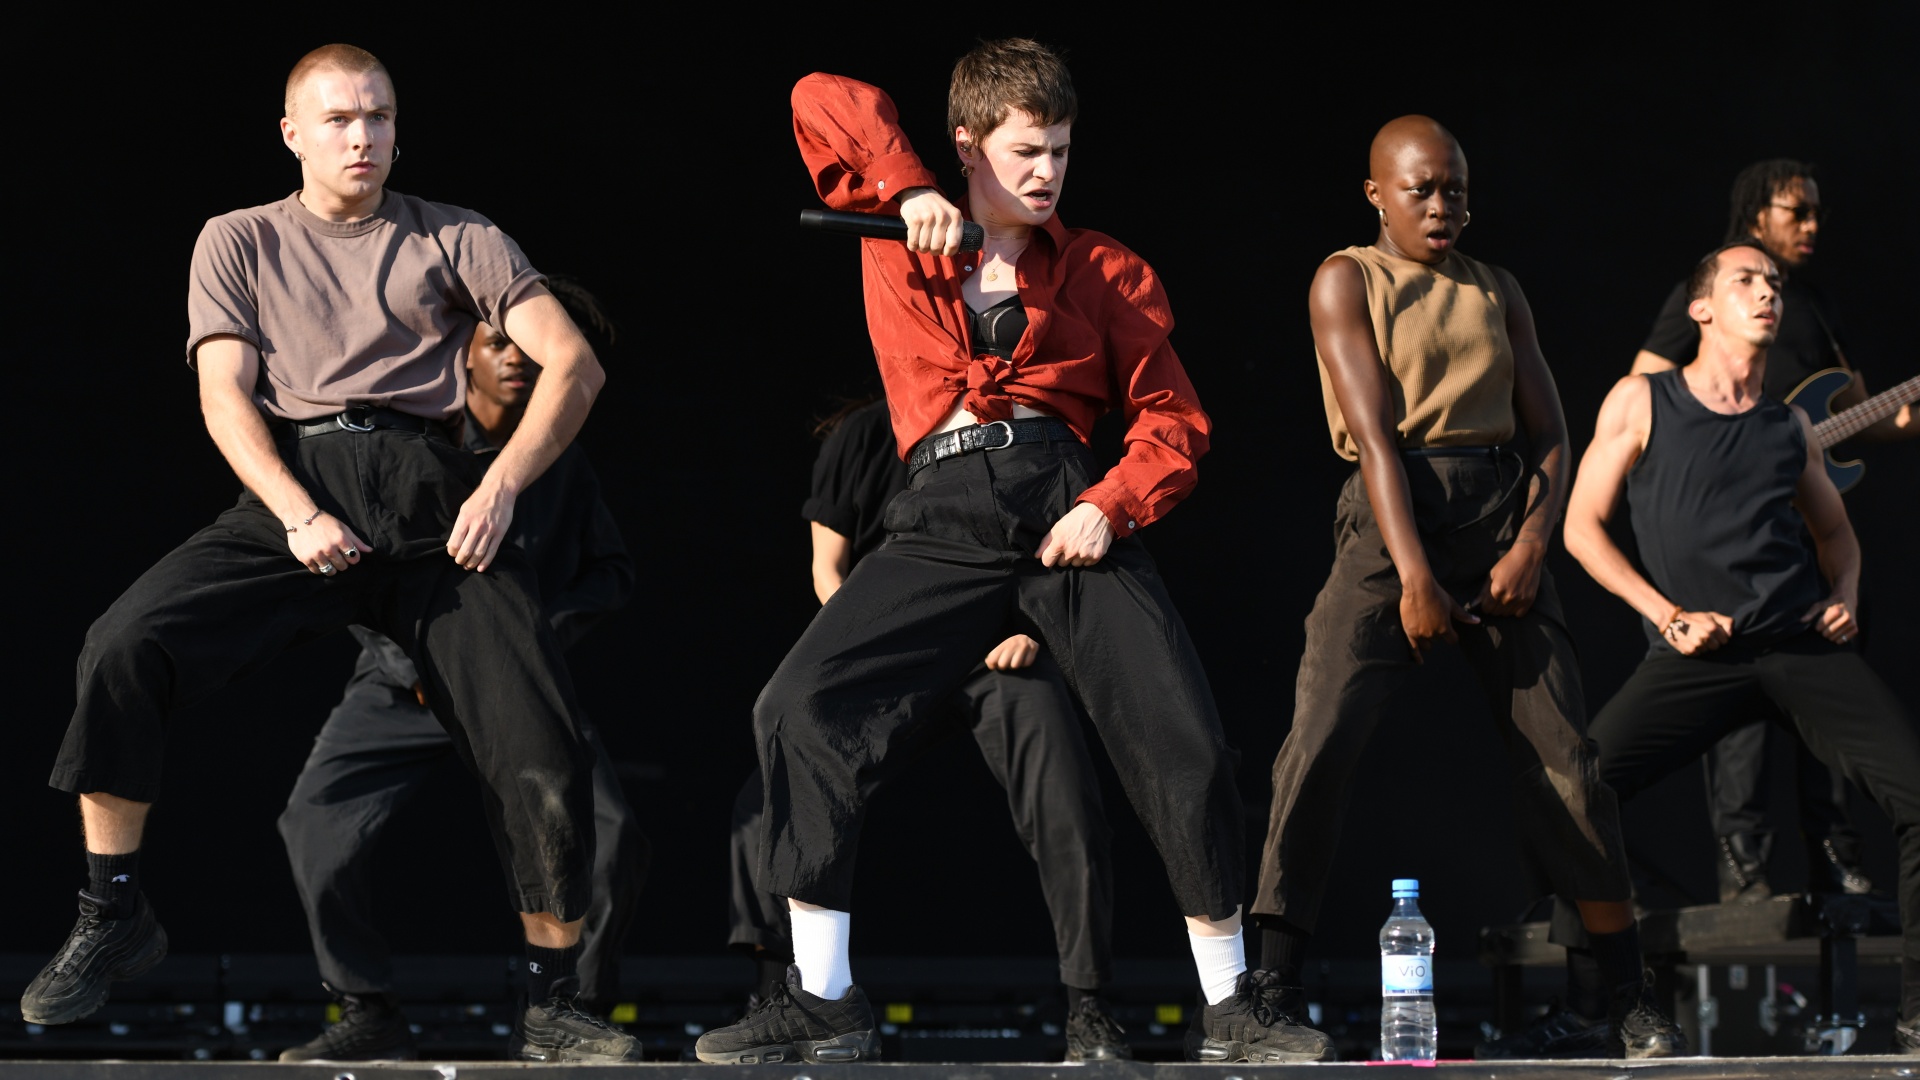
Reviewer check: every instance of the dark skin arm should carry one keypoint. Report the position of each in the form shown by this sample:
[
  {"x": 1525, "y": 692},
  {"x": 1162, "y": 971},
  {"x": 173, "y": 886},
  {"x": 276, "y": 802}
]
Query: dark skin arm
[
  {"x": 1343, "y": 334},
  {"x": 1515, "y": 579}
]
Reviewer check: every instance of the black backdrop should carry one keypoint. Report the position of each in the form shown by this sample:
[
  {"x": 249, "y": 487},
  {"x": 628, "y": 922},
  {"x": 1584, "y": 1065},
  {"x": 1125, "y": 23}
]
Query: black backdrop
[{"x": 654, "y": 162}]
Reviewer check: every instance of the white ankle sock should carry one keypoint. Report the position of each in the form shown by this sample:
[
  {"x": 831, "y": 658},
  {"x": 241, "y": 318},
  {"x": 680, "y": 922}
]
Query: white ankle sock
[
  {"x": 1220, "y": 960},
  {"x": 820, "y": 948}
]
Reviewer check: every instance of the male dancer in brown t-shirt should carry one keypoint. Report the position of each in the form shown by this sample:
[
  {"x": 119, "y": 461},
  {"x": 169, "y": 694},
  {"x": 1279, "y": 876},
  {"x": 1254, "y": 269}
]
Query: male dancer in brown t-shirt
[{"x": 328, "y": 331}]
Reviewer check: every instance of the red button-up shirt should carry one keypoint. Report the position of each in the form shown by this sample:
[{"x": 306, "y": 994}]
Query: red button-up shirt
[{"x": 1097, "y": 318}]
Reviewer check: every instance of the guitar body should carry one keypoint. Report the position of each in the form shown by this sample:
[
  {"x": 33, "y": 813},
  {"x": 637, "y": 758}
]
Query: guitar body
[{"x": 1815, "y": 395}]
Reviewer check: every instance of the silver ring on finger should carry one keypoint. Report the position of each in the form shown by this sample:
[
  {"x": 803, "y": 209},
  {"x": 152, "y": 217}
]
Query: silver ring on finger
[
  {"x": 353, "y": 553},
  {"x": 325, "y": 569}
]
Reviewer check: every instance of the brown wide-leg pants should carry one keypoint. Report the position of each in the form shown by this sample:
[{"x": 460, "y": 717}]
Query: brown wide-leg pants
[{"x": 1469, "y": 508}]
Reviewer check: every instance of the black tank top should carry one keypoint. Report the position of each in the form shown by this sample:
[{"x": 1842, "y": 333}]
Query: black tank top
[
  {"x": 997, "y": 330},
  {"x": 1712, "y": 505}
]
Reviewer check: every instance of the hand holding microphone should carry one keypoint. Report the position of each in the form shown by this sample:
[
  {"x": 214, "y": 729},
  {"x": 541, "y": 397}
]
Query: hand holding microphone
[{"x": 928, "y": 223}]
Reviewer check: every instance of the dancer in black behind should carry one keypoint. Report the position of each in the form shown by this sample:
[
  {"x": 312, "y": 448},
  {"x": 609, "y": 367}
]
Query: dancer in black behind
[
  {"x": 1777, "y": 203},
  {"x": 1750, "y": 580},
  {"x": 1021, "y": 714},
  {"x": 327, "y": 328},
  {"x": 381, "y": 743}
]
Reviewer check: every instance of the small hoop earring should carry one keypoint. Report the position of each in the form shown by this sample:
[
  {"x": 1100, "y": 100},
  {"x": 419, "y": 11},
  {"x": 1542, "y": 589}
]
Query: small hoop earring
[
  {"x": 1383, "y": 214},
  {"x": 299, "y": 156},
  {"x": 396, "y": 153},
  {"x": 966, "y": 171},
  {"x": 1469, "y": 220}
]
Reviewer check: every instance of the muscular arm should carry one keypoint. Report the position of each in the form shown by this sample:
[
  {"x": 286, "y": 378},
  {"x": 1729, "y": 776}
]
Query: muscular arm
[
  {"x": 1515, "y": 579},
  {"x": 1626, "y": 419},
  {"x": 1343, "y": 334},
  {"x": 1833, "y": 541},
  {"x": 1893, "y": 428},
  {"x": 570, "y": 379},
  {"x": 229, "y": 366}
]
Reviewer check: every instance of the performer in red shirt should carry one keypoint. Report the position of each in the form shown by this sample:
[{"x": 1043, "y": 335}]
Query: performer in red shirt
[{"x": 996, "y": 364}]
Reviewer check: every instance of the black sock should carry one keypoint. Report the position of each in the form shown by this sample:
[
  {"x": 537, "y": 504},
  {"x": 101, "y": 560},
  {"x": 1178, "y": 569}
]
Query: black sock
[
  {"x": 771, "y": 972},
  {"x": 115, "y": 879},
  {"x": 546, "y": 968},
  {"x": 1622, "y": 970},
  {"x": 1586, "y": 990},
  {"x": 1283, "y": 949},
  {"x": 1075, "y": 996}
]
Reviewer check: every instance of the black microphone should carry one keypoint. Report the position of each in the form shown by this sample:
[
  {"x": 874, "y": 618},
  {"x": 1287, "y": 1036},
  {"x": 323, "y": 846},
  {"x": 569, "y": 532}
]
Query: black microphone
[{"x": 972, "y": 236}]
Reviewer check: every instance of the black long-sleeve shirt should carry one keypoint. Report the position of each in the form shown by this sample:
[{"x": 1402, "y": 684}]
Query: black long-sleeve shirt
[{"x": 569, "y": 536}]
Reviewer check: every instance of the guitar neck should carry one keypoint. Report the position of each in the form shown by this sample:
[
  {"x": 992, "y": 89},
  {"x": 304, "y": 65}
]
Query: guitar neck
[{"x": 1843, "y": 425}]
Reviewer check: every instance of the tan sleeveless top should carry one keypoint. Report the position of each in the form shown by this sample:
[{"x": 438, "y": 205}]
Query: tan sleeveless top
[{"x": 1442, "y": 331}]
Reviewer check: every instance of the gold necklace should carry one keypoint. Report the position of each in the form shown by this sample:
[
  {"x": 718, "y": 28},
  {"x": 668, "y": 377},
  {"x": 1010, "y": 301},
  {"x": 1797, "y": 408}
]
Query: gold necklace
[{"x": 993, "y": 272}]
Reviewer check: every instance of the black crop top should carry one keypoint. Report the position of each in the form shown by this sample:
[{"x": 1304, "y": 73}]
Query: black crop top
[{"x": 997, "y": 331}]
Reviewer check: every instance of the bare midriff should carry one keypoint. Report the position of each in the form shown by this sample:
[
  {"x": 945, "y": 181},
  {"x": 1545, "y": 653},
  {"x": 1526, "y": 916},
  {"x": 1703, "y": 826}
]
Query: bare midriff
[{"x": 960, "y": 417}]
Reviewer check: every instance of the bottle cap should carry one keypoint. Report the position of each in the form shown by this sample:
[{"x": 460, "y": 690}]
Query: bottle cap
[{"x": 1406, "y": 887}]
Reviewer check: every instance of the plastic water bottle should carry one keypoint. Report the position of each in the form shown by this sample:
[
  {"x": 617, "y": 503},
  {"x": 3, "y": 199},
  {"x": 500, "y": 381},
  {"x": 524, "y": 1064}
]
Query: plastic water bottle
[{"x": 1408, "y": 1028}]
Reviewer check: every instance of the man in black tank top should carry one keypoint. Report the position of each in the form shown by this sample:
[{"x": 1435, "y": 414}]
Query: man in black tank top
[{"x": 1749, "y": 577}]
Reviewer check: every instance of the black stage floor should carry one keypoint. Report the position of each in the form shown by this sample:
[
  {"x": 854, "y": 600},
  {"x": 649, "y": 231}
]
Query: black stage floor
[{"x": 1845, "y": 1068}]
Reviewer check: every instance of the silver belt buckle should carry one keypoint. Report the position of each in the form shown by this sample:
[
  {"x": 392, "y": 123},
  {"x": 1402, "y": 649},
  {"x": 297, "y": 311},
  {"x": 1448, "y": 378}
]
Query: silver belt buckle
[
  {"x": 998, "y": 424},
  {"x": 344, "y": 426}
]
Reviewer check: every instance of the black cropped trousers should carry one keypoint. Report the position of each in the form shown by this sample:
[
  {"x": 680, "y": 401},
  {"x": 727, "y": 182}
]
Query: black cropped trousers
[
  {"x": 1468, "y": 510},
  {"x": 1027, "y": 730},
  {"x": 232, "y": 597},
  {"x": 864, "y": 686}
]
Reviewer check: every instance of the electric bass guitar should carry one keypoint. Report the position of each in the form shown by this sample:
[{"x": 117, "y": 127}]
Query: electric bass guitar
[{"x": 1816, "y": 395}]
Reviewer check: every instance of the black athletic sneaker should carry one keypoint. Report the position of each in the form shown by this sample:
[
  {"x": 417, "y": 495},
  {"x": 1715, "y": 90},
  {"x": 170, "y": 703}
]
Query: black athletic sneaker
[
  {"x": 371, "y": 1028},
  {"x": 793, "y": 1025},
  {"x": 100, "y": 950},
  {"x": 556, "y": 1030},
  {"x": 1561, "y": 1034},
  {"x": 1641, "y": 1029},
  {"x": 1906, "y": 1037},
  {"x": 1262, "y": 1021},
  {"x": 1094, "y": 1035}
]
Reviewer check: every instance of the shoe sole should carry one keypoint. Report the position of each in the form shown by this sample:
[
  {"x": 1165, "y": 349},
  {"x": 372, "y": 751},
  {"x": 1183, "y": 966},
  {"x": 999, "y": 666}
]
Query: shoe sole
[
  {"x": 133, "y": 967},
  {"x": 409, "y": 1054},
  {"x": 1214, "y": 1052},
  {"x": 839, "y": 1050}
]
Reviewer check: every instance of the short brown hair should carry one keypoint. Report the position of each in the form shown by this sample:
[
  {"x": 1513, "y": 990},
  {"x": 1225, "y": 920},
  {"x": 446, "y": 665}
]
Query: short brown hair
[
  {"x": 351, "y": 59},
  {"x": 998, "y": 76},
  {"x": 1700, "y": 282}
]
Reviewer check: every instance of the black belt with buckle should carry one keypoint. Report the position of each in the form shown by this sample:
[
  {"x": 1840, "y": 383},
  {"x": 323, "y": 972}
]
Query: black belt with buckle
[
  {"x": 364, "y": 418},
  {"x": 997, "y": 435},
  {"x": 1458, "y": 451}
]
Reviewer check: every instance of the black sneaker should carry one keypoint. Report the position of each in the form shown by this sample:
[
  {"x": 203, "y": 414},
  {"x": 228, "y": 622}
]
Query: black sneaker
[
  {"x": 557, "y": 1030},
  {"x": 1906, "y": 1037},
  {"x": 1640, "y": 1029},
  {"x": 1262, "y": 1021},
  {"x": 100, "y": 950},
  {"x": 1094, "y": 1035},
  {"x": 1561, "y": 1034},
  {"x": 793, "y": 1025},
  {"x": 371, "y": 1028}
]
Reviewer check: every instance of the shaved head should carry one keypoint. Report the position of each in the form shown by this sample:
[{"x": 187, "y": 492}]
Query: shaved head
[
  {"x": 1419, "y": 133},
  {"x": 348, "y": 58}
]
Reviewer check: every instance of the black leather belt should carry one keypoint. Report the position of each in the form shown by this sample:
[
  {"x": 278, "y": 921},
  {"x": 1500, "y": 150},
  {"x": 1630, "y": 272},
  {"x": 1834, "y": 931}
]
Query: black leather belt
[
  {"x": 1458, "y": 451},
  {"x": 364, "y": 418},
  {"x": 997, "y": 435}
]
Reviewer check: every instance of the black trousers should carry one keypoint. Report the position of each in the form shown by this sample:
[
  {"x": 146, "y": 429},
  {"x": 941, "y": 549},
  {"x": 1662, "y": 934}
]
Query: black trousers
[
  {"x": 1468, "y": 511},
  {"x": 1674, "y": 708},
  {"x": 1026, "y": 727},
  {"x": 373, "y": 753},
  {"x": 1738, "y": 782},
  {"x": 232, "y": 598},
  {"x": 865, "y": 684}
]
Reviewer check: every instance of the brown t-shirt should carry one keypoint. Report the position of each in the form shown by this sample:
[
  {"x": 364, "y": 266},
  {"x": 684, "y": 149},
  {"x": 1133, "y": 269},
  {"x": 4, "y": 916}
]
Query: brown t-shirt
[
  {"x": 1442, "y": 331},
  {"x": 372, "y": 312}
]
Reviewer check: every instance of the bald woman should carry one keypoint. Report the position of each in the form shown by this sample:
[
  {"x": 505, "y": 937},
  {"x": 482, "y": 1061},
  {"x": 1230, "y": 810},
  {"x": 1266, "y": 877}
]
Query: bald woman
[{"x": 1435, "y": 385}]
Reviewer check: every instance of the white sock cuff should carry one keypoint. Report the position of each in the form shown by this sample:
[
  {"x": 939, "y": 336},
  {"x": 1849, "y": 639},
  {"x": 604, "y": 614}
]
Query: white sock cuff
[
  {"x": 820, "y": 948},
  {"x": 1220, "y": 960}
]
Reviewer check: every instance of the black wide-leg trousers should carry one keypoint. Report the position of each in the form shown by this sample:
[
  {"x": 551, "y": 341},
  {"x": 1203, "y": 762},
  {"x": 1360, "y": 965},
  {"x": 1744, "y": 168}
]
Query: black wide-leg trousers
[
  {"x": 1468, "y": 510},
  {"x": 1673, "y": 708},
  {"x": 1028, "y": 732},
  {"x": 378, "y": 746},
  {"x": 866, "y": 683},
  {"x": 232, "y": 597}
]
